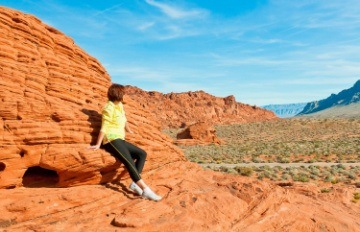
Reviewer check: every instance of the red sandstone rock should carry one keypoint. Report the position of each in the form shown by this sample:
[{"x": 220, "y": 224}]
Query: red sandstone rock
[
  {"x": 51, "y": 93},
  {"x": 177, "y": 110},
  {"x": 198, "y": 133}
]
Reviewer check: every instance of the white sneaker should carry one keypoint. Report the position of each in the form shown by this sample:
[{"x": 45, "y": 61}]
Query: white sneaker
[
  {"x": 134, "y": 187},
  {"x": 149, "y": 194}
]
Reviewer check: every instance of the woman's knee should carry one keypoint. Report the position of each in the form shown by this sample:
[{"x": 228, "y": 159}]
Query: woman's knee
[{"x": 143, "y": 154}]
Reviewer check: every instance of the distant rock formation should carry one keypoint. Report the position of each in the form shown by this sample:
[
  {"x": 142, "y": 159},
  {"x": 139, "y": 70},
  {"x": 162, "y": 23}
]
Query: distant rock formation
[
  {"x": 198, "y": 133},
  {"x": 345, "y": 97},
  {"x": 175, "y": 110},
  {"x": 347, "y": 111},
  {"x": 286, "y": 110}
]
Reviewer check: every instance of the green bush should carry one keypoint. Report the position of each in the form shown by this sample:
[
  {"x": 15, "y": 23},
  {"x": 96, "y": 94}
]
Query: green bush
[
  {"x": 302, "y": 177},
  {"x": 244, "y": 171}
]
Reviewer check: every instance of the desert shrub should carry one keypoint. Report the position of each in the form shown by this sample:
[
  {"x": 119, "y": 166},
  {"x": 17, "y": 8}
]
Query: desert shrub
[
  {"x": 267, "y": 174},
  {"x": 302, "y": 177},
  {"x": 256, "y": 160},
  {"x": 329, "y": 178},
  {"x": 285, "y": 177},
  {"x": 282, "y": 159},
  {"x": 334, "y": 170},
  {"x": 261, "y": 176},
  {"x": 325, "y": 190},
  {"x": 312, "y": 161},
  {"x": 357, "y": 196},
  {"x": 350, "y": 174},
  {"x": 244, "y": 171},
  {"x": 224, "y": 169}
]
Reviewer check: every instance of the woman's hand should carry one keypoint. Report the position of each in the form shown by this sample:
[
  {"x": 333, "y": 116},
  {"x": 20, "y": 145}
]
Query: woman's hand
[
  {"x": 98, "y": 142},
  {"x": 95, "y": 147},
  {"x": 127, "y": 128}
]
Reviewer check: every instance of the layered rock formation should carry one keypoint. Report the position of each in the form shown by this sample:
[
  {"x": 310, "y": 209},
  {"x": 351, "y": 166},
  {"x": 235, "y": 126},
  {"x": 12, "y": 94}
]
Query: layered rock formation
[
  {"x": 177, "y": 110},
  {"x": 51, "y": 95}
]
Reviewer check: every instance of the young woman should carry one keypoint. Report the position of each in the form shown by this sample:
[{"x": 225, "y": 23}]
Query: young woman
[{"x": 112, "y": 139}]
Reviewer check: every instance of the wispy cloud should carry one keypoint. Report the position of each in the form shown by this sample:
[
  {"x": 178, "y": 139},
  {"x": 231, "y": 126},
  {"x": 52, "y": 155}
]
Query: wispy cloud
[
  {"x": 110, "y": 9},
  {"x": 176, "y": 12},
  {"x": 229, "y": 61},
  {"x": 145, "y": 26}
]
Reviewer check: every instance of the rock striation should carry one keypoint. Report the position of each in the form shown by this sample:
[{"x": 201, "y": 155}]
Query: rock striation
[{"x": 51, "y": 95}]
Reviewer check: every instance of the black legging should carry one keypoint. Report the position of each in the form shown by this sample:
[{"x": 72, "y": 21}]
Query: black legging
[{"x": 126, "y": 153}]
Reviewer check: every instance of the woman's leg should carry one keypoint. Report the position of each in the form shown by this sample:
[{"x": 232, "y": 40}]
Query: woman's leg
[
  {"x": 138, "y": 154},
  {"x": 118, "y": 149}
]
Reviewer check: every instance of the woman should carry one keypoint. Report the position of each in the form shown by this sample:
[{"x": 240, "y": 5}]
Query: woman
[{"x": 112, "y": 137}]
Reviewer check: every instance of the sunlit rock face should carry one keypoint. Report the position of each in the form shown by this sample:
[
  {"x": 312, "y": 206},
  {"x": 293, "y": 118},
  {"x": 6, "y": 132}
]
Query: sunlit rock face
[{"x": 200, "y": 133}]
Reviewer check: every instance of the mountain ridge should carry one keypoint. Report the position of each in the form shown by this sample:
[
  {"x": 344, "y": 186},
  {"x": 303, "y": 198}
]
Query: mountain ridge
[
  {"x": 285, "y": 110},
  {"x": 344, "y": 97}
]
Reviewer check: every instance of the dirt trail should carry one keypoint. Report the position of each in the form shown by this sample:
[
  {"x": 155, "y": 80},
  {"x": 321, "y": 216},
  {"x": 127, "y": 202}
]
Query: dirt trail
[{"x": 283, "y": 165}]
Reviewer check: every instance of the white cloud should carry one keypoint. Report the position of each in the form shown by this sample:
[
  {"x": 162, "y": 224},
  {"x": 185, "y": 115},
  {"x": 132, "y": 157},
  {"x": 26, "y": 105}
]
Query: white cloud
[
  {"x": 145, "y": 26},
  {"x": 112, "y": 8},
  {"x": 175, "y": 12},
  {"x": 233, "y": 61}
]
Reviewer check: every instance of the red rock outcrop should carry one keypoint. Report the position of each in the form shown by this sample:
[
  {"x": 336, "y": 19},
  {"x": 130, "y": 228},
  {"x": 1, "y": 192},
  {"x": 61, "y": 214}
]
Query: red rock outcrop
[
  {"x": 175, "y": 110},
  {"x": 200, "y": 133},
  {"x": 51, "y": 93}
]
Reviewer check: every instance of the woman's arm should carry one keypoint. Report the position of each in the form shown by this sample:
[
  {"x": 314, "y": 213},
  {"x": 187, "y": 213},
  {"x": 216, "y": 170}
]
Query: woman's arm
[
  {"x": 127, "y": 128},
  {"x": 99, "y": 141},
  {"x": 106, "y": 118}
]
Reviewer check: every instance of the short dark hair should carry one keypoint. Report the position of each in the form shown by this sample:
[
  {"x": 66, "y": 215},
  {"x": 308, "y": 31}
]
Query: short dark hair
[{"x": 116, "y": 92}]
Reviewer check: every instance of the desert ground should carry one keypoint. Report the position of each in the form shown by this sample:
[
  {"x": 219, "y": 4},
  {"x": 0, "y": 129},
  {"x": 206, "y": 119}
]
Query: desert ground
[{"x": 298, "y": 149}]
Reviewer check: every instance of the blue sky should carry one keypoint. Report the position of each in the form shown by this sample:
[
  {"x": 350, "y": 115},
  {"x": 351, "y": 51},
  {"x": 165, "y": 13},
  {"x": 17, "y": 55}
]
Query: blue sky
[{"x": 260, "y": 51}]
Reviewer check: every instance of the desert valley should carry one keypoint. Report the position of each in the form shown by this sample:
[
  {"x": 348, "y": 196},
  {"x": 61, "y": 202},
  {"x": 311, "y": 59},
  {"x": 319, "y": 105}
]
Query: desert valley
[{"x": 211, "y": 158}]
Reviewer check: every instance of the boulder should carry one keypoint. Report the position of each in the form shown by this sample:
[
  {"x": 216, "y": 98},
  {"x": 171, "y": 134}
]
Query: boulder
[{"x": 198, "y": 133}]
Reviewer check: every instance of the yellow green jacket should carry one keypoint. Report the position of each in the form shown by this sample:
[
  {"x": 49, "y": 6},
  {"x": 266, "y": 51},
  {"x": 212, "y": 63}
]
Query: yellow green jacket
[{"x": 113, "y": 122}]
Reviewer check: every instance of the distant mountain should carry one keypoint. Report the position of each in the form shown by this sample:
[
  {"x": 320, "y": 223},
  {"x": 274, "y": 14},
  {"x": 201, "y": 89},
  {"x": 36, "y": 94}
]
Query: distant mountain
[
  {"x": 285, "y": 110},
  {"x": 345, "y": 97},
  {"x": 349, "y": 111}
]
